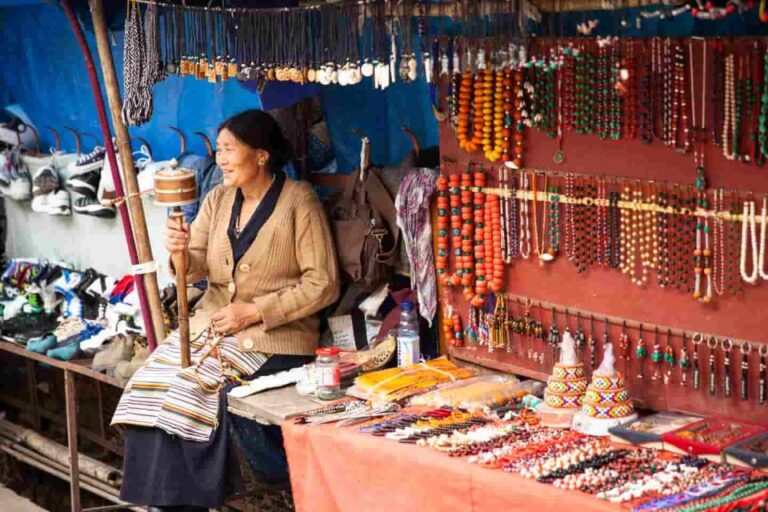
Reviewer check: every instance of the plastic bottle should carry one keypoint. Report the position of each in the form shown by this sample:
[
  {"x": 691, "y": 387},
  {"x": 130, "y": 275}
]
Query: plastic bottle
[
  {"x": 327, "y": 373},
  {"x": 408, "y": 346}
]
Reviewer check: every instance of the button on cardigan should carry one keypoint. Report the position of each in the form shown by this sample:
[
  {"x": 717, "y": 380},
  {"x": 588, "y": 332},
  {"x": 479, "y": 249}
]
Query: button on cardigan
[{"x": 290, "y": 271}]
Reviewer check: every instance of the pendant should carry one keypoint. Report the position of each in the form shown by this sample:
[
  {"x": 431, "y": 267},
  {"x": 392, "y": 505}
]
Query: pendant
[
  {"x": 559, "y": 156},
  {"x": 232, "y": 68},
  {"x": 727, "y": 365},
  {"x": 763, "y": 370},
  {"x": 746, "y": 348},
  {"x": 311, "y": 75},
  {"x": 367, "y": 69},
  {"x": 546, "y": 257},
  {"x": 211, "y": 74},
  {"x": 412, "y": 68},
  {"x": 712, "y": 344}
]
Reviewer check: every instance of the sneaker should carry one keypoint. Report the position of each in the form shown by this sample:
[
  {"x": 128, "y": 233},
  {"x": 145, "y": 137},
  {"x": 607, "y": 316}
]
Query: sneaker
[
  {"x": 88, "y": 206},
  {"x": 58, "y": 203},
  {"x": 90, "y": 162},
  {"x": 45, "y": 181},
  {"x": 41, "y": 204},
  {"x": 85, "y": 184}
]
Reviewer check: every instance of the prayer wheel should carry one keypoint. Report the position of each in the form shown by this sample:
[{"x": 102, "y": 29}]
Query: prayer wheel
[{"x": 175, "y": 188}]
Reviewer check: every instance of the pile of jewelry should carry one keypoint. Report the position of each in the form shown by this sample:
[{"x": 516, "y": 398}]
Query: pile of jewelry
[
  {"x": 413, "y": 427},
  {"x": 344, "y": 412}
]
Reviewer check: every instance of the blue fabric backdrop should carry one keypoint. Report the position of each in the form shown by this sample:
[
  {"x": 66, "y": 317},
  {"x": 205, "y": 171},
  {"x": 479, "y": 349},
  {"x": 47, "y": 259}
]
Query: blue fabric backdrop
[{"x": 44, "y": 72}]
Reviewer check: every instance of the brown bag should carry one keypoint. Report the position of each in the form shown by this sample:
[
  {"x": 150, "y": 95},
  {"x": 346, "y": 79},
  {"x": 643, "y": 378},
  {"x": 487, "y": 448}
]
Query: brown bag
[{"x": 364, "y": 225}]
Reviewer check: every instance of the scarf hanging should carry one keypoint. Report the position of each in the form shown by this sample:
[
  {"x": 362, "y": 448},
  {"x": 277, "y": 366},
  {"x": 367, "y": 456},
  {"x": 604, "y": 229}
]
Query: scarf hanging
[{"x": 412, "y": 204}]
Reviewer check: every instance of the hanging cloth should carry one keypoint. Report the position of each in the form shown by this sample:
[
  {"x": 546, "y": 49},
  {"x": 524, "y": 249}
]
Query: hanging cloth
[{"x": 412, "y": 204}]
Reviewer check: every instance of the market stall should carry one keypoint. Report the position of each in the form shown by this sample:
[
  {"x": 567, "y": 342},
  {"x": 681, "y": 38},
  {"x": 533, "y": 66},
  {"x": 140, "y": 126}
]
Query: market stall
[{"x": 591, "y": 228}]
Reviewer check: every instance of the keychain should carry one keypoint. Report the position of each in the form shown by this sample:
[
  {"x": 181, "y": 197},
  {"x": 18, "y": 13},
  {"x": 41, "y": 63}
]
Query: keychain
[
  {"x": 712, "y": 344},
  {"x": 684, "y": 362},
  {"x": 579, "y": 337},
  {"x": 763, "y": 369},
  {"x": 669, "y": 358},
  {"x": 656, "y": 355},
  {"x": 641, "y": 353},
  {"x": 746, "y": 348},
  {"x": 727, "y": 365},
  {"x": 698, "y": 339}
]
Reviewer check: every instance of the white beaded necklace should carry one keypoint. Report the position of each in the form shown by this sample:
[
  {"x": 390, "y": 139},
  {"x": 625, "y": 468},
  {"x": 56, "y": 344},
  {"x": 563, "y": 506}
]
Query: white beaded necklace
[
  {"x": 748, "y": 221},
  {"x": 761, "y": 251}
]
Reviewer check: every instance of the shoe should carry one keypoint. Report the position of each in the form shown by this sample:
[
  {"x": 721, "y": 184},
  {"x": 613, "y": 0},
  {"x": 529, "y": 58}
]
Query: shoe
[
  {"x": 14, "y": 308},
  {"x": 118, "y": 348},
  {"x": 44, "y": 181},
  {"x": 65, "y": 352},
  {"x": 41, "y": 204},
  {"x": 85, "y": 184},
  {"x": 19, "y": 188},
  {"x": 58, "y": 203},
  {"x": 89, "y": 162},
  {"x": 126, "y": 369},
  {"x": 42, "y": 345},
  {"x": 88, "y": 206}
]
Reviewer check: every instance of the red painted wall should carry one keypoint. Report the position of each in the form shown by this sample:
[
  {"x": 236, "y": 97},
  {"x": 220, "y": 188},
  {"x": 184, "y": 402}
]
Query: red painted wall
[{"x": 609, "y": 292}]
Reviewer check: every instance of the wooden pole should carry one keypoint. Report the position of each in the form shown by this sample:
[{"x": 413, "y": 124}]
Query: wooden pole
[
  {"x": 129, "y": 174},
  {"x": 70, "y": 398}
]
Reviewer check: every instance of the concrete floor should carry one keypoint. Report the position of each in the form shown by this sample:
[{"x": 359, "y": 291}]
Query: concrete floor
[{"x": 10, "y": 501}]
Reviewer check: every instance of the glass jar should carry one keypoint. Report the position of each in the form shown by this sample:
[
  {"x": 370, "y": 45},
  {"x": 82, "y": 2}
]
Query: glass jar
[{"x": 327, "y": 375}]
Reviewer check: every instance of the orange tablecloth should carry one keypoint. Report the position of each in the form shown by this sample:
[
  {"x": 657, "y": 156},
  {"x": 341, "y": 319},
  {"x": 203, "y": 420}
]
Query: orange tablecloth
[{"x": 339, "y": 469}]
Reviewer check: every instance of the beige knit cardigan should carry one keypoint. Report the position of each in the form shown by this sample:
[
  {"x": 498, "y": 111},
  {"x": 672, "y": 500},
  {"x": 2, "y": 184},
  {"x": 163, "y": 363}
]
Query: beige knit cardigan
[{"x": 290, "y": 271}]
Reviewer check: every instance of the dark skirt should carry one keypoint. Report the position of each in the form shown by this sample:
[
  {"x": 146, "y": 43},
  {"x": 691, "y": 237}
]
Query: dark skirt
[{"x": 164, "y": 470}]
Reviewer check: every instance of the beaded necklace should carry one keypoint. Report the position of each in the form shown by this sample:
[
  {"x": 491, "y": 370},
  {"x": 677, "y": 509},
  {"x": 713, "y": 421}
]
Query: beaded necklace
[
  {"x": 614, "y": 241},
  {"x": 570, "y": 225},
  {"x": 525, "y": 227},
  {"x": 481, "y": 286},
  {"x": 748, "y": 237},
  {"x": 513, "y": 243},
  {"x": 719, "y": 270},
  {"x": 467, "y": 232},
  {"x": 761, "y": 250},
  {"x": 662, "y": 204},
  {"x": 762, "y": 136},
  {"x": 520, "y": 118},
  {"x": 464, "y": 116},
  {"x": 603, "y": 234},
  {"x": 729, "y": 108},
  {"x": 630, "y": 97}
]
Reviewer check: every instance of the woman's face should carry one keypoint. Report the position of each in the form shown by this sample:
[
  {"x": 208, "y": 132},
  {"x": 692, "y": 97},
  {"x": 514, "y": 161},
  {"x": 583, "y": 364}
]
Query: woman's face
[{"x": 239, "y": 163}]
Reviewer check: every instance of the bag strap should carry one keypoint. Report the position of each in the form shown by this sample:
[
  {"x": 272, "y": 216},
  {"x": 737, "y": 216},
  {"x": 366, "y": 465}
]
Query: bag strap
[{"x": 379, "y": 198}]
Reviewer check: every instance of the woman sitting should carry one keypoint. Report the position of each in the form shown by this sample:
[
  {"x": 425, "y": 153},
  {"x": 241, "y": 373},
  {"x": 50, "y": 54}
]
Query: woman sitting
[{"x": 263, "y": 242}]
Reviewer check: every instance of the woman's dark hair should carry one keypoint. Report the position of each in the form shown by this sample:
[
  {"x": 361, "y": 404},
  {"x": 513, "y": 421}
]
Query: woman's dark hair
[{"x": 259, "y": 130}]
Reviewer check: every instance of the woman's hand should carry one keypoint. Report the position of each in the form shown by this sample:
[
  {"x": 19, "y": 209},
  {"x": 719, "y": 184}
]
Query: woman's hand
[
  {"x": 176, "y": 238},
  {"x": 235, "y": 317}
]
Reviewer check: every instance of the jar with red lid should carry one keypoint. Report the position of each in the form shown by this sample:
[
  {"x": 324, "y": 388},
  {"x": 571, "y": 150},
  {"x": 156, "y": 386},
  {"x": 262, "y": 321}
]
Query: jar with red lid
[{"x": 327, "y": 374}]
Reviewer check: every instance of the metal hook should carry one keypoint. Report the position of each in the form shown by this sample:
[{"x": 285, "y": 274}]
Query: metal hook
[
  {"x": 182, "y": 139},
  {"x": 56, "y": 137},
  {"x": 207, "y": 142},
  {"x": 78, "y": 144}
]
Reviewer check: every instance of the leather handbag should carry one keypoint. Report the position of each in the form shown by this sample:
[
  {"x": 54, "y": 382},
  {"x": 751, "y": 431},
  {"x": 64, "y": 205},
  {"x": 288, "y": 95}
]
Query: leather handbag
[{"x": 364, "y": 224}]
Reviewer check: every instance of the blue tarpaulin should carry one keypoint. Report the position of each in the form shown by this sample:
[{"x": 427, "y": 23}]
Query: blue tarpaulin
[{"x": 43, "y": 71}]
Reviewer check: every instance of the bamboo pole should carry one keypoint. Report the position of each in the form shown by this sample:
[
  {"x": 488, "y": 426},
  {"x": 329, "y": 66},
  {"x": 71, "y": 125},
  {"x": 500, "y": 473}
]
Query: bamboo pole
[{"x": 129, "y": 174}]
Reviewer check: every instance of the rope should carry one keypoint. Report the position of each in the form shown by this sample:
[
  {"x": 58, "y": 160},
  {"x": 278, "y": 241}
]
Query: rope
[{"x": 133, "y": 56}]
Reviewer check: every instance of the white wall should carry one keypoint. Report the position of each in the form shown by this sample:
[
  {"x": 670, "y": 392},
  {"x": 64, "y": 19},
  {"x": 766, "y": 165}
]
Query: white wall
[{"x": 81, "y": 240}]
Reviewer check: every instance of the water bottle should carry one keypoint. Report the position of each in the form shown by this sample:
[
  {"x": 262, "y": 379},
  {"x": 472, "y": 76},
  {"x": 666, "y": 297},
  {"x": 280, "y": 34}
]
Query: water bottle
[{"x": 408, "y": 346}]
